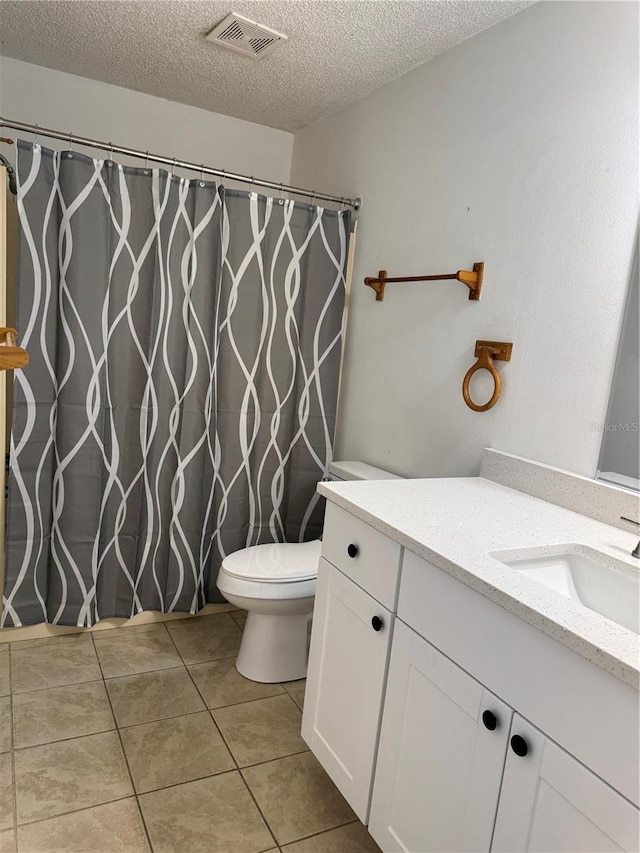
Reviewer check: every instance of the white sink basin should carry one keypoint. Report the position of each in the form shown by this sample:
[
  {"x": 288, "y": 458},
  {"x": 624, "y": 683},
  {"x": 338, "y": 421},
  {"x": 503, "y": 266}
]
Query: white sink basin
[{"x": 597, "y": 581}]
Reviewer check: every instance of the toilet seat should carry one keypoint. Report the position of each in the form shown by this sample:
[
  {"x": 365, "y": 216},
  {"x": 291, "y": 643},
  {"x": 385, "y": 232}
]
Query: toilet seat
[
  {"x": 275, "y": 563},
  {"x": 278, "y": 571}
]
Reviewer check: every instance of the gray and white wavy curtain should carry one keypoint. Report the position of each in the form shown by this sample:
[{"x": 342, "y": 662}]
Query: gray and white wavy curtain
[{"x": 180, "y": 399}]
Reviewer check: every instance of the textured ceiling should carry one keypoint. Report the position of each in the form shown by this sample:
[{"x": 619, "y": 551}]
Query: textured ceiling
[{"x": 338, "y": 50}]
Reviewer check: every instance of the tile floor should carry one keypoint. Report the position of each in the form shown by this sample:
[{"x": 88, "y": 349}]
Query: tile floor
[{"x": 146, "y": 738}]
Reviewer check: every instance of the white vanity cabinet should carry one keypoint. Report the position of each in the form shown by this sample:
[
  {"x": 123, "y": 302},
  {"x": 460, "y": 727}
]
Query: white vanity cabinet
[
  {"x": 350, "y": 644},
  {"x": 457, "y": 726}
]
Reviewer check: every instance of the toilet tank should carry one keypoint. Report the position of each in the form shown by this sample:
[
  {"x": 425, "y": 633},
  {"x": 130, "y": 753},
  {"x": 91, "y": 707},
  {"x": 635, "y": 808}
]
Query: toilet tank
[{"x": 359, "y": 471}]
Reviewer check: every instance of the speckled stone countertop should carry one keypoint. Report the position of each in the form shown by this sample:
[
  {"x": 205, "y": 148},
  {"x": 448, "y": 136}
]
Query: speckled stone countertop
[{"x": 455, "y": 523}]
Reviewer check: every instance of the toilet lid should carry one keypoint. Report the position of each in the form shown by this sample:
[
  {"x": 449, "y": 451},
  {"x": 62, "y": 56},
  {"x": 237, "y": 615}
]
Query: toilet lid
[{"x": 275, "y": 563}]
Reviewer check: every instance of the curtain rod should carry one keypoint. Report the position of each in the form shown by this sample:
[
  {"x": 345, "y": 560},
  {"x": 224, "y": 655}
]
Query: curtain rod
[{"x": 72, "y": 139}]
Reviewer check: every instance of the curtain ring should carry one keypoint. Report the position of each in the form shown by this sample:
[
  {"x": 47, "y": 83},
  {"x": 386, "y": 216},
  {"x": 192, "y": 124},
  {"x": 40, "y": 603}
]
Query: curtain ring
[
  {"x": 280, "y": 199},
  {"x": 111, "y": 153},
  {"x": 35, "y": 134},
  {"x": 173, "y": 167},
  {"x": 342, "y": 204},
  {"x": 313, "y": 198},
  {"x": 70, "y": 154},
  {"x": 146, "y": 162},
  {"x": 201, "y": 174}
]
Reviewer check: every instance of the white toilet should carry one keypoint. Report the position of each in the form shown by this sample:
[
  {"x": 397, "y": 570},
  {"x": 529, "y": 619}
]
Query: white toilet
[{"x": 276, "y": 585}]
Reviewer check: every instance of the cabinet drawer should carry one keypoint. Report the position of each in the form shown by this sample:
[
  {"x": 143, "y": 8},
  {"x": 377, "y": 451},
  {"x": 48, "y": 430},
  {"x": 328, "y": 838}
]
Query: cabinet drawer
[{"x": 365, "y": 555}]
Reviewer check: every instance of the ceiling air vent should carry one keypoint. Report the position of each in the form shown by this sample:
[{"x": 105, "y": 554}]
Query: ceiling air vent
[{"x": 245, "y": 36}]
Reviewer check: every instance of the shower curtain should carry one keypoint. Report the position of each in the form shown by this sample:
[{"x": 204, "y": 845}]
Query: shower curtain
[{"x": 180, "y": 399}]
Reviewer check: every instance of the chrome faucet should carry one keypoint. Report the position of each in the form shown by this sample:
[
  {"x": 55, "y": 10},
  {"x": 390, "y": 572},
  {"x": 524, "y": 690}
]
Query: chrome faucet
[{"x": 636, "y": 551}]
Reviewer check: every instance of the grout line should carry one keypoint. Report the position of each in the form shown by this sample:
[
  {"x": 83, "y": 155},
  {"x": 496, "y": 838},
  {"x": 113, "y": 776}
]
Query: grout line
[
  {"x": 316, "y": 834},
  {"x": 162, "y": 719},
  {"x": 208, "y": 660},
  {"x": 63, "y": 739},
  {"x": 249, "y": 701},
  {"x": 270, "y": 830},
  {"x": 55, "y": 686},
  {"x": 237, "y": 768},
  {"x": 186, "y": 782},
  {"x": 76, "y": 811},
  {"x": 142, "y": 672},
  {"x": 244, "y": 701},
  {"x": 117, "y": 633},
  {"x": 98, "y": 680},
  {"x": 269, "y": 760},
  {"x": 124, "y": 753},
  {"x": 224, "y": 740},
  {"x": 12, "y": 759}
]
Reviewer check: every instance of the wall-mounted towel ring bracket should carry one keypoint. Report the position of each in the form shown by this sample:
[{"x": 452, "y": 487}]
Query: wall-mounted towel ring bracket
[
  {"x": 487, "y": 352},
  {"x": 472, "y": 278}
]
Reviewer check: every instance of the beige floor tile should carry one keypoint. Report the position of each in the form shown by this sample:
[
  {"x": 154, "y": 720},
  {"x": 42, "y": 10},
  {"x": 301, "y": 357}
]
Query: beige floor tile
[
  {"x": 177, "y": 750},
  {"x": 298, "y": 698},
  {"x": 221, "y": 684},
  {"x": 206, "y": 637},
  {"x": 36, "y": 667},
  {"x": 69, "y": 775},
  {"x": 5, "y": 724},
  {"x": 5, "y": 687},
  {"x": 261, "y": 730},
  {"x": 352, "y": 838},
  {"x": 7, "y": 841},
  {"x": 297, "y": 797},
  {"x": 295, "y": 686},
  {"x": 214, "y": 815},
  {"x": 240, "y": 618},
  {"x": 42, "y": 716},
  {"x": 112, "y": 828},
  {"x": 6, "y": 792},
  {"x": 153, "y": 696},
  {"x": 101, "y": 633},
  {"x": 53, "y": 640},
  {"x": 126, "y": 651}
]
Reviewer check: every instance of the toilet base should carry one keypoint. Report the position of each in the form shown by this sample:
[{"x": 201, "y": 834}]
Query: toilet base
[{"x": 275, "y": 647}]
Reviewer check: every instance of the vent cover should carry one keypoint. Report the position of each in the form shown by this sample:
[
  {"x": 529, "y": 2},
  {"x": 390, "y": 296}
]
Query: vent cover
[{"x": 245, "y": 36}]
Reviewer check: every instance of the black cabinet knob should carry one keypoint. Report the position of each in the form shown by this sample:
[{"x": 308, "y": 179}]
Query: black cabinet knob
[
  {"x": 519, "y": 745},
  {"x": 490, "y": 720},
  {"x": 377, "y": 623},
  {"x": 352, "y": 550}
]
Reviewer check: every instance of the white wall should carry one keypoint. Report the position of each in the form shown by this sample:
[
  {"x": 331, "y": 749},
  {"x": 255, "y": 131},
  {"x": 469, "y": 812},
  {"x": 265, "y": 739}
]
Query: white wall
[
  {"x": 34, "y": 94},
  {"x": 517, "y": 148}
]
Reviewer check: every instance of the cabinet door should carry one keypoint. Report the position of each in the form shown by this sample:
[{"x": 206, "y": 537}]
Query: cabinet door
[
  {"x": 551, "y": 802},
  {"x": 441, "y": 758},
  {"x": 345, "y": 683}
]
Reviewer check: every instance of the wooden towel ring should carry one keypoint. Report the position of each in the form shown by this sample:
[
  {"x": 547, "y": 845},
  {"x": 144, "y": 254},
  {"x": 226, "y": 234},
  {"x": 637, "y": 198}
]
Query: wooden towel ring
[{"x": 486, "y": 352}]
